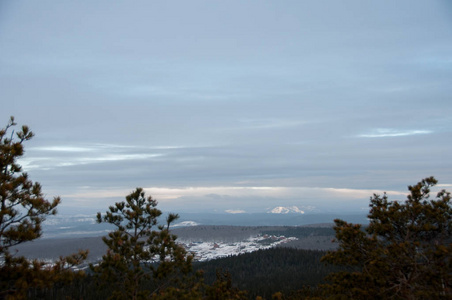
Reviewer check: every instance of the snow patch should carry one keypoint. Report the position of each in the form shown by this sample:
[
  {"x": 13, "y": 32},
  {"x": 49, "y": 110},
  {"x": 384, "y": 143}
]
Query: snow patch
[
  {"x": 186, "y": 224},
  {"x": 203, "y": 251}
]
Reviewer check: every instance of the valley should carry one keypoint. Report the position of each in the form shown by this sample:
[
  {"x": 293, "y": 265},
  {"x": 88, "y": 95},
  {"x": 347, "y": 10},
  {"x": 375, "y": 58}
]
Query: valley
[{"x": 206, "y": 242}]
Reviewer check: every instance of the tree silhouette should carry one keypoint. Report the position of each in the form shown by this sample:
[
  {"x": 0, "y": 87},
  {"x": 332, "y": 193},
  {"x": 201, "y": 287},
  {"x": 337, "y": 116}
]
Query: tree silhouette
[
  {"x": 404, "y": 253},
  {"x": 23, "y": 209},
  {"x": 137, "y": 254}
]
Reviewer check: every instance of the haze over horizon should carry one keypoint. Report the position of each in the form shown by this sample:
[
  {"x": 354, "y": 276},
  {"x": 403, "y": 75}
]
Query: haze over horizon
[{"x": 232, "y": 106}]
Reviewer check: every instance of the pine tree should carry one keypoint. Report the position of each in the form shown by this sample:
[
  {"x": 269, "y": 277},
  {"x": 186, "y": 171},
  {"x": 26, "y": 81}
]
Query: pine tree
[
  {"x": 137, "y": 254},
  {"x": 404, "y": 253},
  {"x": 23, "y": 209}
]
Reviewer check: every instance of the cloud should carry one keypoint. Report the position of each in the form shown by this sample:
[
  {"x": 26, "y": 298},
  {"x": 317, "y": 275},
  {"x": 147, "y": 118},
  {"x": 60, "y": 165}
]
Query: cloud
[
  {"x": 253, "y": 199},
  {"x": 381, "y": 132},
  {"x": 106, "y": 158},
  {"x": 84, "y": 148},
  {"x": 217, "y": 197},
  {"x": 235, "y": 211},
  {"x": 51, "y": 157},
  {"x": 314, "y": 106},
  {"x": 269, "y": 123},
  {"x": 63, "y": 149},
  {"x": 48, "y": 163}
]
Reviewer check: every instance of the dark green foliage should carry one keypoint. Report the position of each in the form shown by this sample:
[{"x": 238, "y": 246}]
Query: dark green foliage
[
  {"x": 301, "y": 232},
  {"x": 195, "y": 288},
  {"x": 294, "y": 272},
  {"x": 222, "y": 288},
  {"x": 23, "y": 209},
  {"x": 137, "y": 253},
  {"x": 265, "y": 272},
  {"x": 404, "y": 253},
  {"x": 23, "y": 206},
  {"x": 79, "y": 288}
]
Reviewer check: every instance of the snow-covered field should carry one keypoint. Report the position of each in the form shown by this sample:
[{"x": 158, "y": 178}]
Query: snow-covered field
[{"x": 212, "y": 250}]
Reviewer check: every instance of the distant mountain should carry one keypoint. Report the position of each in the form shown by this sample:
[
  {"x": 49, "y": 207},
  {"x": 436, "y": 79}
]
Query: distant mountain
[
  {"x": 72, "y": 226},
  {"x": 285, "y": 210}
]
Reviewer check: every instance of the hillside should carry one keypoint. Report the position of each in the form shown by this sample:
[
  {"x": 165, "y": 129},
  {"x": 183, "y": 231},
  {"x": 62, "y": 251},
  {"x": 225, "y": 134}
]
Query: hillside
[
  {"x": 266, "y": 272},
  {"x": 235, "y": 237}
]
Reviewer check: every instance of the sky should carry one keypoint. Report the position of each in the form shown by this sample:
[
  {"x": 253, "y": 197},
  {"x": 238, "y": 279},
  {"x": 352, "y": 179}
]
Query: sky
[{"x": 230, "y": 106}]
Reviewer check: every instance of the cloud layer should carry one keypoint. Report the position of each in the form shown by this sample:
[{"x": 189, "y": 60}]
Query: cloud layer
[{"x": 230, "y": 106}]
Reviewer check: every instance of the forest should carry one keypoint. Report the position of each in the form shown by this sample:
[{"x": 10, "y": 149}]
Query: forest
[
  {"x": 263, "y": 273},
  {"x": 266, "y": 272},
  {"x": 403, "y": 253}
]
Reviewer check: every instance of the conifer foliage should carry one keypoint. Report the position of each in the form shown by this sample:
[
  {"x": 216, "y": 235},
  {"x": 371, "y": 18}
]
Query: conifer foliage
[
  {"x": 404, "y": 253},
  {"x": 137, "y": 253},
  {"x": 23, "y": 209}
]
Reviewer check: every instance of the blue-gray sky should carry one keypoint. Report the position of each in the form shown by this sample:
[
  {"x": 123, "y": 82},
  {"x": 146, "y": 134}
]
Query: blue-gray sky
[{"x": 230, "y": 105}]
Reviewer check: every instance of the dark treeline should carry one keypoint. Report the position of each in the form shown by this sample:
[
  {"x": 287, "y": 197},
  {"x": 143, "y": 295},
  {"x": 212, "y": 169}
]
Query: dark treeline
[
  {"x": 265, "y": 272},
  {"x": 301, "y": 232},
  {"x": 261, "y": 273}
]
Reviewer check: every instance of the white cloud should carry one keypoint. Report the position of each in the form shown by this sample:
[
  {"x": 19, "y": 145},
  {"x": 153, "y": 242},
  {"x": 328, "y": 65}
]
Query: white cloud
[
  {"x": 51, "y": 157},
  {"x": 47, "y": 163},
  {"x": 85, "y": 148},
  {"x": 105, "y": 158},
  {"x": 205, "y": 193},
  {"x": 235, "y": 211},
  {"x": 382, "y": 132},
  {"x": 64, "y": 149},
  {"x": 444, "y": 185}
]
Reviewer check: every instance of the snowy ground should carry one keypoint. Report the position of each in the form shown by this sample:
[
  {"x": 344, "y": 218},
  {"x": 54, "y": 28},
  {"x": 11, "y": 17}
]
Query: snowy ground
[{"x": 212, "y": 250}]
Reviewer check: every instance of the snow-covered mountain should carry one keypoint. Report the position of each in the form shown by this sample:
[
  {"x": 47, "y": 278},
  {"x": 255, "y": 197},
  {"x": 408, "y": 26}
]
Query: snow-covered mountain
[{"x": 285, "y": 210}]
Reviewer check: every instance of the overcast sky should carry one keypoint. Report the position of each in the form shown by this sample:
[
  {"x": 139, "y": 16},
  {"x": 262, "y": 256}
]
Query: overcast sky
[{"x": 230, "y": 105}]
